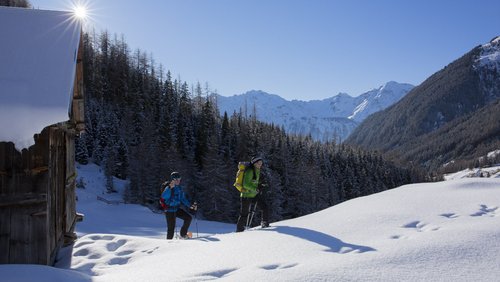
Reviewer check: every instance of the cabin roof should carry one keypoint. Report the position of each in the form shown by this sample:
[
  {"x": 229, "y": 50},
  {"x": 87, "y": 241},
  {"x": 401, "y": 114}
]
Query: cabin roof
[{"x": 38, "y": 54}]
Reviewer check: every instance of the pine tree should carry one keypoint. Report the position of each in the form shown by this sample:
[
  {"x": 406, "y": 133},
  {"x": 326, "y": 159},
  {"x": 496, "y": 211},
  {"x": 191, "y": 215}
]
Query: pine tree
[
  {"x": 122, "y": 163},
  {"x": 81, "y": 152},
  {"x": 109, "y": 163}
]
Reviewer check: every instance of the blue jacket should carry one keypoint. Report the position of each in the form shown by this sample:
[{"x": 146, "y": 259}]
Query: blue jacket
[{"x": 174, "y": 200}]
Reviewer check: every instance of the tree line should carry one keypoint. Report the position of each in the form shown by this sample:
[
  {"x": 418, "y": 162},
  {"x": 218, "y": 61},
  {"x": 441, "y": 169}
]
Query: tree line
[
  {"x": 142, "y": 124},
  {"x": 16, "y": 3}
]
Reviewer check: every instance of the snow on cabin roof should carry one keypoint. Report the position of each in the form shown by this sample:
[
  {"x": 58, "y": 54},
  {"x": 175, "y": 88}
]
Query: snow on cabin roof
[{"x": 38, "y": 53}]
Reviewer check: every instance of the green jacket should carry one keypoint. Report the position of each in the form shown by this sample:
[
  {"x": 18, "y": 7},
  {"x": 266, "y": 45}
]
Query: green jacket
[{"x": 250, "y": 183}]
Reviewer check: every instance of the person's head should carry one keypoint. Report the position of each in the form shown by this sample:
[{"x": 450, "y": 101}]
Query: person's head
[
  {"x": 175, "y": 177},
  {"x": 257, "y": 162}
]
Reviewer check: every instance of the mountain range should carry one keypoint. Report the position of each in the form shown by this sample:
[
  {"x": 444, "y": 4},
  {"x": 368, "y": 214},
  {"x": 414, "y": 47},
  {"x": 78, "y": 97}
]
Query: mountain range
[
  {"x": 333, "y": 118},
  {"x": 452, "y": 117}
]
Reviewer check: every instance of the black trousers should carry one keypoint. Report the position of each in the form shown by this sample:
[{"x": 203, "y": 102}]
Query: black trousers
[
  {"x": 246, "y": 204},
  {"x": 171, "y": 216}
]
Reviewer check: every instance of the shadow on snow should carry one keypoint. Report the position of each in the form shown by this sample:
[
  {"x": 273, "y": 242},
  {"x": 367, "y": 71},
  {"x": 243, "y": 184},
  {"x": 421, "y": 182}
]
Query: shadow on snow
[{"x": 333, "y": 244}]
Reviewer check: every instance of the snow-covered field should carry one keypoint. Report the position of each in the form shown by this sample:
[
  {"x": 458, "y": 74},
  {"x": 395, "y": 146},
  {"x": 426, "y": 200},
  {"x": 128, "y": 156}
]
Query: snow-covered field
[
  {"x": 446, "y": 231},
  {"x": 488, "y": 172}
]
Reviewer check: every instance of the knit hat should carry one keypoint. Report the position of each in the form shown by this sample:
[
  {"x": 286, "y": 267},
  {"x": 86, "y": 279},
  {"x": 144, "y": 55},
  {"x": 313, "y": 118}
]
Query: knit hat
[
  {"x": 255, "y": 159},
  {"x": 175, "y": 175}
]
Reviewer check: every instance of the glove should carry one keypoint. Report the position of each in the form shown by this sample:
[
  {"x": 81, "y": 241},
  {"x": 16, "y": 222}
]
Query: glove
[{"x": 193, "y": 208}]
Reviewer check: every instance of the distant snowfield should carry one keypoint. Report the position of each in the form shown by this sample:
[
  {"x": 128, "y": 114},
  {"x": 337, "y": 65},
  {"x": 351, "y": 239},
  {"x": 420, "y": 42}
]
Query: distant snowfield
[{"x": 446, "y": 231}]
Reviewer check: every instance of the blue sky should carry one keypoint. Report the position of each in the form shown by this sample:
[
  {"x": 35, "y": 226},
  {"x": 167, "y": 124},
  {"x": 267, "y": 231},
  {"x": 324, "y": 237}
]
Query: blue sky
[{"x": 298, "y": 49}]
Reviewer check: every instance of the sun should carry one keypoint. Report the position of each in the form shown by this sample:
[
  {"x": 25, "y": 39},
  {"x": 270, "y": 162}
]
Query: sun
[{"x": 80, "y": 12}]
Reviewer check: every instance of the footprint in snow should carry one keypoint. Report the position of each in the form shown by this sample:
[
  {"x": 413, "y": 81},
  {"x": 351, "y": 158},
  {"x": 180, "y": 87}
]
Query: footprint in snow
[
  {"x": 270, "y": 267},
  {"x": 486, "y": 211},
  {"x": 449, "y": 215},
  {"x": 95, "y": 256},
  {"x": 118, "y": 261},
  {"x": 106, "y": 237},
  {"x": 113, "y": 246},
  {"x": 124, "y": 253},
  {"x": 395, "y": 237},
  {"x": 414, "y": 224},
  {"x": 278, "y": 266},
  {"x": 151, "y": 251},
  {"x": 81, "y": 253},
  {"x": 218, "y": 273},
  {"x": 420, "y": 226},
  {"x": 81, "y": 244}
]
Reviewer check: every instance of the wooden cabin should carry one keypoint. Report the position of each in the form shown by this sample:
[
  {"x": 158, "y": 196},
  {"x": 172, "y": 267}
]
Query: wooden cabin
[{"x": 37, "y": 183}]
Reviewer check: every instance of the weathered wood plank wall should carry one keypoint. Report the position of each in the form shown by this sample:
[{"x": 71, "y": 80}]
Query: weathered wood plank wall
[
  {"x": 36, "y": 208},
  {"x": 23, "y": 204}
]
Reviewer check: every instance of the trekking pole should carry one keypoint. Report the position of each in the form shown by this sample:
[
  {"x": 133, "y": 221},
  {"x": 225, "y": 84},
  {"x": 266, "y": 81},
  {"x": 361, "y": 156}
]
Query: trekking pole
[
  {"x": 253, "y": 212},
  {"x": 250, "y": 215},
  {"x": 196, "y": 222},
  {"x": 249, "y": 222}
]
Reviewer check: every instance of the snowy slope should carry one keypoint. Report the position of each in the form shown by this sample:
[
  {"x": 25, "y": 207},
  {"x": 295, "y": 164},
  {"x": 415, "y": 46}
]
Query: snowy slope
[
  {"x": 489, "y": 172},
  {"x": 446, "y": 231},
  {"x": 323, "y": 119}
]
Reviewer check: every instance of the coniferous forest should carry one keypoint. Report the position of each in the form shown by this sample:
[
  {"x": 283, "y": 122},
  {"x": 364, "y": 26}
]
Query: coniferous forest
[{"x": 142, "y": 124}]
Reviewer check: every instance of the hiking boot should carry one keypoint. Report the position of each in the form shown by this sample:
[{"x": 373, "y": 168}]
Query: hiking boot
[{"x": 264, "y": 224}]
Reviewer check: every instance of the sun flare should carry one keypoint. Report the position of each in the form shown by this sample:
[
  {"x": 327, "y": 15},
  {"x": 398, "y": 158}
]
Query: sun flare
[{"x": 80, "y": 12}]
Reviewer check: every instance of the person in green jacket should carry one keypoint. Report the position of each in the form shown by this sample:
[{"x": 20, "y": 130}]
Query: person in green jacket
[{"x": 250, "y": 194}]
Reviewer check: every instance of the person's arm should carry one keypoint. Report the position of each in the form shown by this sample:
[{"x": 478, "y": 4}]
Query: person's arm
[{"x": 167, "y": 193}]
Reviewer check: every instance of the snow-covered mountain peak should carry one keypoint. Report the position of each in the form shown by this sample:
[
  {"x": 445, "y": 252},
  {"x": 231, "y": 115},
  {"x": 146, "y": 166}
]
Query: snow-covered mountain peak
[
  {"x": 257, "y": 93},
  {"x": 342, "y": 95},
  {"x": 392, "y": 87},
  {"x": 254, "y": 95},
  {"x": 333, "y": 117},
  {"x": 379, "y": 99},
  {"x": 496, "y": 40},
  {"x": 490, "y": 55}
]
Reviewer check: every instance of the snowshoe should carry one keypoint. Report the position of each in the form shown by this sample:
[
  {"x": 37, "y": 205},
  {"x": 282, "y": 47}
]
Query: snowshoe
[{"x": 189, "y": 235}]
